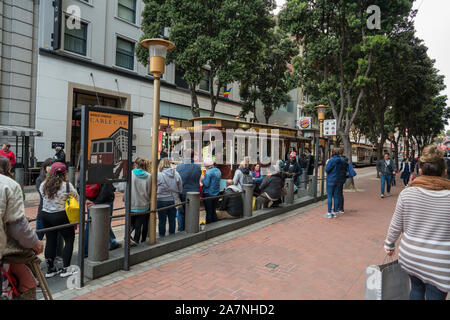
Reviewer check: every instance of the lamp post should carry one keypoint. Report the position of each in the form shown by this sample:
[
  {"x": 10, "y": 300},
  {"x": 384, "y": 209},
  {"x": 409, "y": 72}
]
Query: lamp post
[
  {"x": 321, "y": 110},
  {"x": 157, "y": 49}
]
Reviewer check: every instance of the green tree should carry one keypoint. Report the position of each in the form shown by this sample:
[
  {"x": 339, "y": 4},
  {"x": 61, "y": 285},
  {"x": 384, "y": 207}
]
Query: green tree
[
  {"x": 338, "y": 51},
  {"x": 269, "y": 79},
  {"x": 225, "y": 35}
]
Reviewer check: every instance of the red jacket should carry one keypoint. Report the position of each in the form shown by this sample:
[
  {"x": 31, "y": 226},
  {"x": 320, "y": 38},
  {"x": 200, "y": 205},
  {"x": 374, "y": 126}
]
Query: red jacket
[{"x": 10, "y": 156}]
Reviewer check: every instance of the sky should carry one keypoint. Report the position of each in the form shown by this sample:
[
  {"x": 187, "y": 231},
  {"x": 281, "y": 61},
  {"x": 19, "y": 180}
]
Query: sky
[{"x": 433, "y": 26}]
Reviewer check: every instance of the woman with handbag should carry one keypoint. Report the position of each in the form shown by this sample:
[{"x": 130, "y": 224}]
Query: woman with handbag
[
  {"x": 55, "y": 191},
  {"x": 170, "y": 186},
  {"x": 422, "y": 216}
]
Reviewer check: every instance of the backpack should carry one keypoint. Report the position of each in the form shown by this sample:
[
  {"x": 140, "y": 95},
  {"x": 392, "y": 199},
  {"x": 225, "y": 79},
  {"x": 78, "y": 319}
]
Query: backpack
[
  {"x": 342, "y": 170},
  {"x": 92, "y": 190},
  {"x": 248, "y": 179}
]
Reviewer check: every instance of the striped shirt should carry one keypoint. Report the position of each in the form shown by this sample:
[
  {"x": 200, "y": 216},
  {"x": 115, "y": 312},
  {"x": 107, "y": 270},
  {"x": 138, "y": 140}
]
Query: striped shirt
[{"x": 423, "y": 216}]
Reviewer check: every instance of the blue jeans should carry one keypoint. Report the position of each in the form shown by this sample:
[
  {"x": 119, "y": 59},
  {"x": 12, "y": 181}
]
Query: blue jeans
[
  {"x": 386, "y": 179},
  {"x": 341, "y": 196},
  {"x": 181, "y": 214},
  {"x": 332, "y": 192},
  {"x": 112, "y": 237},
  {"x": 164, "y": 215},
  {"x": 39, "y": 227},
  {"x": 419, "y": 290}
]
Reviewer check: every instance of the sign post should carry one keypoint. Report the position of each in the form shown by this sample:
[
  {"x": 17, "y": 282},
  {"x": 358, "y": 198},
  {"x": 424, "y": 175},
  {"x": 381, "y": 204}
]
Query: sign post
[
  {"x": 329, "y": 127},
  {"x": 106, "y": 155}
]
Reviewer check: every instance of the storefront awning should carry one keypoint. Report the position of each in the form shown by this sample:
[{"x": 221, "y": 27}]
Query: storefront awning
[{"x": 11, "y": 131}]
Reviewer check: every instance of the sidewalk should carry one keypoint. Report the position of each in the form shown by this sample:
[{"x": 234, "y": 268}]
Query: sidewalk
[{"x": 300, "y": 256}]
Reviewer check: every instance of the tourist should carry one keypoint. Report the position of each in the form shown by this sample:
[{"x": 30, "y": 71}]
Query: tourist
[
  {"x": 271, "y": 187},
  {"x": 190, "y": 174},
  {"x": 332, "y": 169},
  {"x": 406, "y": 168},
  {"x": 242, "y": 175},
  {"x": 6, "y": 152},
  {"x": 60, "y": 155},
  {"x": 170, "y": 187},
  {"x": 257, "y": 177},
  {"x": 232, "y": 207},
  {"x": 55, "y": 191},
  {"x": 211, "y": 188},
  {"x": 293, "y": 170},
  {"x": 422, "y": 216}
]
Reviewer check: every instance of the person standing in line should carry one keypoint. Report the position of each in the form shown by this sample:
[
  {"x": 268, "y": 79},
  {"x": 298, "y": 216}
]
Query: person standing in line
[
  {"x": 140, "y": 199},
  {"x": 105, "y": 195},
  {"x": 170, "y": 187},
  {"x": 15, "y": 231},
  {"x": 387, "y": 169},
  {"x": 55, "y": 191},
  {"x": 190, "y": 174},
  {"x": 406, "y": 168},
  {"x": 6, "y": 152},
  {"x": 211, "y": 188},
  {"x": 293, "y": 169},
  {"x": 164, "y": 154},
  {"x": 60, "y": 155},
  {"x": 332, "y": 169},
  {"x": 45, "y": 169},
  {"x": 343, "y": 175},
  {"x": 242, "y": 175},
  {"x": 422, "y": 216}
]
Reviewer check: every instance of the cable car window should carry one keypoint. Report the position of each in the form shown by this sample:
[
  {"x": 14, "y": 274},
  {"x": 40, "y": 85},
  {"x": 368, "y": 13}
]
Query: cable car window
[
  {"x": 109, "y": 147},
  {"x": 94, "y": 148},
  {"x": 102, "y": 148}
]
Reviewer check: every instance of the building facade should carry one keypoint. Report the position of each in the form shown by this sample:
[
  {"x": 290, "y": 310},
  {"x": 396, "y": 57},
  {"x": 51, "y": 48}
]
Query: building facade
[{"x": 95, "y": 64}]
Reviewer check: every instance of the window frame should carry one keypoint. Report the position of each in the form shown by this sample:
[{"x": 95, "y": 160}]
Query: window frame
[
  {"x": 134, "y": 11},
  {"x": 64, "y": 35},
  {"x": 121, "y": 38}
]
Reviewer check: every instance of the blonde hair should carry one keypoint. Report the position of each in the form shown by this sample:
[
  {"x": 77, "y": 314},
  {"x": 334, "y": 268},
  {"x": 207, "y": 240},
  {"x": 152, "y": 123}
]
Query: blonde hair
[{"x": 163, "y": 164}]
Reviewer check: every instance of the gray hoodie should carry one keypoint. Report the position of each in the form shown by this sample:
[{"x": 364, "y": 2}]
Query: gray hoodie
[
  {"x": 140, "y": 190},
  {"x": 169, "y": 184}
]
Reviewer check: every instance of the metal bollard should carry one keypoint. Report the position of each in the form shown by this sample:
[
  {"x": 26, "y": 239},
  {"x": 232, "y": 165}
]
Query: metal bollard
[
  {"x": 99, "y": 233},
  {"x": 289, "y": 198},
  {"x": 305, "y": 179},
  {"x": 19, "y": 176},
  {"x": 72, "y": 175},
  {"x": 192, "y": 214},
  {"x": 248, "y": 200}
]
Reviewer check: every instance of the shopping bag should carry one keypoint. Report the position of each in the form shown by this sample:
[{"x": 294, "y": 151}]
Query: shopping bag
[{"x": 387, "y": 282}]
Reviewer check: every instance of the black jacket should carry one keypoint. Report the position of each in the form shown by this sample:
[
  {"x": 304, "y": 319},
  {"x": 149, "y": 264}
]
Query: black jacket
[
  {"x": 60, "y": 157},
  {"x": 272, "y": 185},
  {"x": 233, "y": 205},
  {"x": 106, "y": 194}
]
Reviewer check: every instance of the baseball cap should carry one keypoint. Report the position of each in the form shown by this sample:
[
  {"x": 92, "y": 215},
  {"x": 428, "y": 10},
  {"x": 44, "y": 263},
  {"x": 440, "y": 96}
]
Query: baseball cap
[{"x": 58, "y": 167}]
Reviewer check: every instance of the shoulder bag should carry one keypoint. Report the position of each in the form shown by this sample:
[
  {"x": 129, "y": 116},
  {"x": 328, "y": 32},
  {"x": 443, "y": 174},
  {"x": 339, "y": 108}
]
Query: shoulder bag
[{"x": 72, "y": 207}]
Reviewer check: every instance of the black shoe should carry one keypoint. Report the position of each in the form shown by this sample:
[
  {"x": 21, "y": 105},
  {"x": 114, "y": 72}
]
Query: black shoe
[{"x": 115, "y": 246}]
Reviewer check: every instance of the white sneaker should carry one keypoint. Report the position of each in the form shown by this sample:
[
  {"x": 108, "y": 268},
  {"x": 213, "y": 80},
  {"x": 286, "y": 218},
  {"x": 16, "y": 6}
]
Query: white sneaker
[
  {"x": 329, "y": 215},
  {"x": 382, "y": 196},
  {"x": 340, "y": 212},
  {"x": 52, "y": 272},
  {"x": 66, "y": 273},
  {"x": 388, "y": 194}
]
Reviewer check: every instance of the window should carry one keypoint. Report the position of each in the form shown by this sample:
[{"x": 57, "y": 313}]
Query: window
[
  {"x": 75, "y": 40},
  {"x": 94, "y": 148},
  {"x": 179, "y": 81},
  {"x": 109, "y": 147},
  {"x": 127, "y": 10},
  {"x": 125, "y": 54},
  {"x": 290, "y": 106},
  {"x": 204, "y": 83},
  {"x": 101, "y": 147}
]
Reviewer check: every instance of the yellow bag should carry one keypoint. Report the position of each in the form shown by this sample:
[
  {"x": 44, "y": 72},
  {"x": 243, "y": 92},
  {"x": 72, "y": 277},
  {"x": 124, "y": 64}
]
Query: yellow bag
[{"x": 72, "y": 207}]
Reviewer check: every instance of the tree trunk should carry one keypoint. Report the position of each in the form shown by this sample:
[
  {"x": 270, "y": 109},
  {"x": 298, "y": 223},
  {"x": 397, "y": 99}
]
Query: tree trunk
[
  {"x": 350, "y": 183},
  {"x": 195, "y": 108}
]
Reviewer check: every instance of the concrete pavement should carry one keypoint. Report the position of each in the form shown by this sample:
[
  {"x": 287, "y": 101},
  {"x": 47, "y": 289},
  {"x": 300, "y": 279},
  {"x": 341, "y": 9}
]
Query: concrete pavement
[{"x": 298, "y": 255}]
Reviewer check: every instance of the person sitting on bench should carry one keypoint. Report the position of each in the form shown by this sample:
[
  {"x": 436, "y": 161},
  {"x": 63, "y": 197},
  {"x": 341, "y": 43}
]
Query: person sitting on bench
[{"x": 232, "y": 207}]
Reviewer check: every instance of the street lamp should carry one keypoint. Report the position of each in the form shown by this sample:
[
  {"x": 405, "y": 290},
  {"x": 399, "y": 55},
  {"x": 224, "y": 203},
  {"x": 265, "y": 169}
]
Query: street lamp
[
  {"x": 321, "y": 110},
  {"x": 157, "y": 49}
]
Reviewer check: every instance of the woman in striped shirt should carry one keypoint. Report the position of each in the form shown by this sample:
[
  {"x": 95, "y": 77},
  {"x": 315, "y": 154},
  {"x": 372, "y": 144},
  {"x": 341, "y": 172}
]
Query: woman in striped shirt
[{"x": 422, "y": 214}]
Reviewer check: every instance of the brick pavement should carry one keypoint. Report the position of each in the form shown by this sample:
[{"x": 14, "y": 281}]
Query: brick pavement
[{"x": 315, "y": 258}]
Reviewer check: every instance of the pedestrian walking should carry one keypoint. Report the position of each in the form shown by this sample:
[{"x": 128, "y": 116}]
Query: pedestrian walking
[
  {"x": 332, "y": 169},
  {"x": 170, "y": 187},
  {"x": 422, "y": 216},
  {"x": 271, "y": 188},
  {"x": 55, "y": 191},
  {"x": 211, "y": 188},
  {"x": 60, "y": 155},
  {"x": 140, "y": 199},
  {"x": 190, "y": 174},
  {"x": 242, "y": 175},
  {"x": 15, "y": 235},
  {"x": 406, "y": 168},
  {"x": 6, "y": 152},
  {"x": 386, "y": 167}
]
